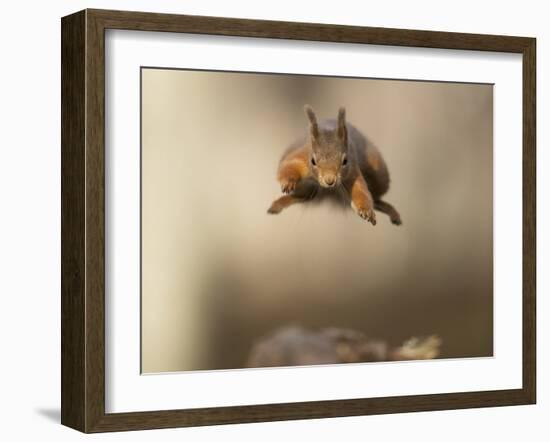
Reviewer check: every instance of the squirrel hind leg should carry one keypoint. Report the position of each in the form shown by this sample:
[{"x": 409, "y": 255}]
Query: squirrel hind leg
[
  {"x": 283, "y": 202},
  {"x": 305, "y": 191},
  {"x": 389, "y": 210}
]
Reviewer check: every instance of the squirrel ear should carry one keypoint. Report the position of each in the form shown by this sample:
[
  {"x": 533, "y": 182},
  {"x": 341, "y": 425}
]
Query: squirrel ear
[
  {"x": 314, "y": 128},
  {"x": 342, "y": 122}
]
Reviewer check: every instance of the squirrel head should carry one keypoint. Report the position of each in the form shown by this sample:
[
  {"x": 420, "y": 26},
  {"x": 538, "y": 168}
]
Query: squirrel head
[{"x": 329, "y": 149}]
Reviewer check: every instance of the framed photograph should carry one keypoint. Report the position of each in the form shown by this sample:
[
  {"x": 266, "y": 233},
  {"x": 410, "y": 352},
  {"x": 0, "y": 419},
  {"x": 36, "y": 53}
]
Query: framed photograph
[{"x": 269, "y": 220}]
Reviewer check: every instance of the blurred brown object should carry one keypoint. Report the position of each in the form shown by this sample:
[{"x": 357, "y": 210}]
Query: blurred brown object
[{"x": 294, "y": 345}]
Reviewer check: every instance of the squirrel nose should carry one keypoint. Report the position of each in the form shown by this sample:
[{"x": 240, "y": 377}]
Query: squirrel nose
[{"x": 330, "y": 180}]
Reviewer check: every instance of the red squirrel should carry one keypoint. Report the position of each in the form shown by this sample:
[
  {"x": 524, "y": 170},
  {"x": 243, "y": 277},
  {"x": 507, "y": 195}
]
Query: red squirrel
[{"x": 335, "y": 159}]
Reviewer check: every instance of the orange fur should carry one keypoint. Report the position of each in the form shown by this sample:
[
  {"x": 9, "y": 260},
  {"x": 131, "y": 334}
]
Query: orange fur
[
  {"x": 334, "y": 154},
  {"x": 373, "y": 161},
  {"x": 361, "y": 198}
]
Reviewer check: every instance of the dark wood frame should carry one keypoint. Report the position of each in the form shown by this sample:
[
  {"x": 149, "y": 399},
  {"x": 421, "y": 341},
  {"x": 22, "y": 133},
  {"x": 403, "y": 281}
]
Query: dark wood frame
[{"x": 83, "y": 216}]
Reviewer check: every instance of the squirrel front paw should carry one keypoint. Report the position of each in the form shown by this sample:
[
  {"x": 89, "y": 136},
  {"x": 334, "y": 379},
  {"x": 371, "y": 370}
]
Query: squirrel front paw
[
  {"x": 366, "y": 213},
  {"x": 288, "y": 185}
]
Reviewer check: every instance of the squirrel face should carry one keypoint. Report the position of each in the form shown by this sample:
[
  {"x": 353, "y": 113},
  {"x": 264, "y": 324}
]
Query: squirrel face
[{"x": 329, "y": 149}]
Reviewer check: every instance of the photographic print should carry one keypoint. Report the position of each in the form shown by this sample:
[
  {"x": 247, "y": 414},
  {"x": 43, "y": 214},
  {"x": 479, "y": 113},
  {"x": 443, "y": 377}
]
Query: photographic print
[
  {"x": 294, "y": 220},
  {"x": 248, "y": 204}
]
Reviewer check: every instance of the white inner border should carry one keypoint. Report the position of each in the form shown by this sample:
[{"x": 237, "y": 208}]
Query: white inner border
[{"x": 127, "y": 390}]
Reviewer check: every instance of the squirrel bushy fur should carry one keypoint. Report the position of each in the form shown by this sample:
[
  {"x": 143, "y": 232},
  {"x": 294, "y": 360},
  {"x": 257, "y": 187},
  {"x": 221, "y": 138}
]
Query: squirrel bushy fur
[{"x": 335, "y": 159}]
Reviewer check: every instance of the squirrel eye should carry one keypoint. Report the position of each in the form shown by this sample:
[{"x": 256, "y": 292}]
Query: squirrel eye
[
  {"x": 313, "y": 161},
  {"x": 344, "y": 161}
]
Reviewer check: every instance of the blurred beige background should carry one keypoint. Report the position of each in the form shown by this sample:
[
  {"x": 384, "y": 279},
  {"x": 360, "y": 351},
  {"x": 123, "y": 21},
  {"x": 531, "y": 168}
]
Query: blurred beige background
[{"x": 219, "y": 273}]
